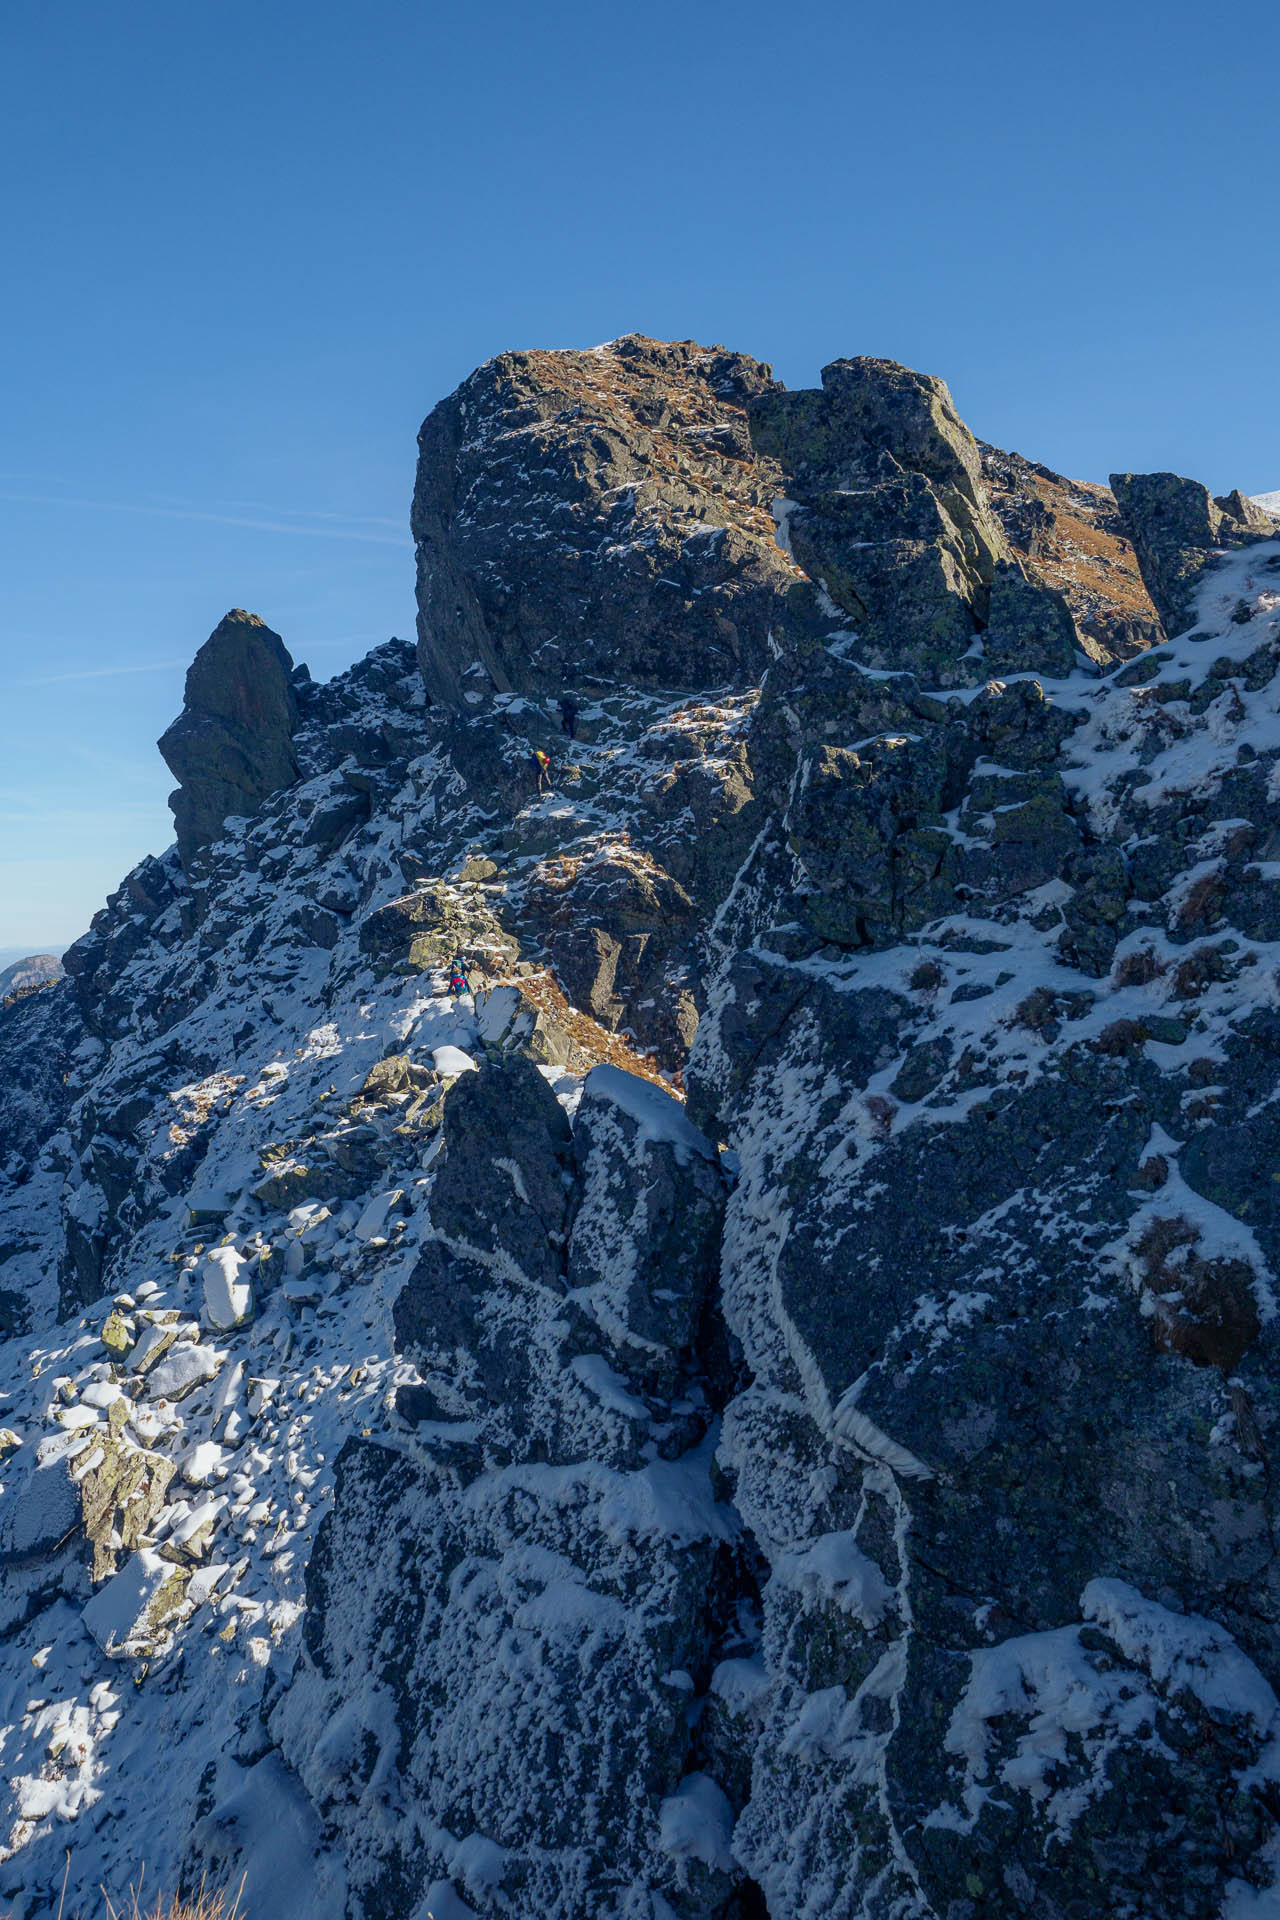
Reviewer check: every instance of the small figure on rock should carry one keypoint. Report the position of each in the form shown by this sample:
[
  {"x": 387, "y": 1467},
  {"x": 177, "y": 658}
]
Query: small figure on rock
[
  {"x": 569, "y": 716},
  {"x": 458, "y": 981},
  {"x": 542, "y": 761}
]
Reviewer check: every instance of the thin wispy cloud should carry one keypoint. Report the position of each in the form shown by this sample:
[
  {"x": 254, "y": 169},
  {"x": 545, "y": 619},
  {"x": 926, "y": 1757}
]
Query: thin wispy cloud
[
  {"x": 330, "y": 529},
  {"x": 319, "y": 513},
  {"x": 103, "y": 673},
  {"x": 340, "y": 643}
]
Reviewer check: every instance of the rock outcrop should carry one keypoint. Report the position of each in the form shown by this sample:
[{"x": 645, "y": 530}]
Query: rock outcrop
[
  {"x": 766, "y": 1404},
  {"x": 596, "y": 520},
  {"x": 1176, "y": 525},
  {"x": 1069, "y": 536},
  {"x": 232, "y": 744},
  {"x": 888, "y": 512}
]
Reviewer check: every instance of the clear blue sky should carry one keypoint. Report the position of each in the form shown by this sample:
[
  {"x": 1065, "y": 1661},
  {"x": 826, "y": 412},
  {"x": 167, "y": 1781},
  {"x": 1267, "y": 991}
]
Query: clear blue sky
[{"x": 247, "y": 246}]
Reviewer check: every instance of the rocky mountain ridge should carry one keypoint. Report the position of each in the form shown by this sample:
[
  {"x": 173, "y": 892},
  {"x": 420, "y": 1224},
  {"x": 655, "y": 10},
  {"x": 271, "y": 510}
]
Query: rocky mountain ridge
[
  {"x": 764, "y": 1404},
  {"x": 31, "y": 971}
]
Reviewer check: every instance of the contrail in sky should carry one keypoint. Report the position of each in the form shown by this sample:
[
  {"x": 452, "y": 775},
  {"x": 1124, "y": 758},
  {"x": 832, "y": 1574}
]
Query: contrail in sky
[
  {"x": 176, "y": 666},
  {"x": 105, "y": 673},
  {"x": 218, "y": 519}
]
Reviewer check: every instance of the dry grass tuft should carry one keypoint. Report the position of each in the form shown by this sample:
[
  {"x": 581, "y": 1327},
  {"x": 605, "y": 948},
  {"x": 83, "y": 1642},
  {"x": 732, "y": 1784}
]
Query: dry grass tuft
[
  {"x": 592, "y": 1043},
  {"x": 199, "y": 1906}
]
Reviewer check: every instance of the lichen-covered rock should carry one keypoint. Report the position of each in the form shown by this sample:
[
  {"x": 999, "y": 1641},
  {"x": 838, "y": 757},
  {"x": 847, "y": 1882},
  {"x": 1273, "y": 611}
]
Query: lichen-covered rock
[
  {"x": 232, "y": 744},
  {"x": 838, "y": 437},
  {"x": 886, "y": 511},
  {"x": 1029, "y": 627},
  {"x": 1176, "y": 526},
  {"x": 122, "y": 1488}
]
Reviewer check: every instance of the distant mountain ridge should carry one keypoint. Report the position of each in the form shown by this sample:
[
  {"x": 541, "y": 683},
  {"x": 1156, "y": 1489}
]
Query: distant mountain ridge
[{"x": 27, "y": 971}]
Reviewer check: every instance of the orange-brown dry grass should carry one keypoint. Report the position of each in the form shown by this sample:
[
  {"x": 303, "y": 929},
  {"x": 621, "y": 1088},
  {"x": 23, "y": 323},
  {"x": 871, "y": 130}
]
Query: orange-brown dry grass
[
  {"x": 1083, "y": 554},
  {"x": 201, "y": 1905},
  {"x": 545, "y": 995},
  {"x": 618, "y": 392}
]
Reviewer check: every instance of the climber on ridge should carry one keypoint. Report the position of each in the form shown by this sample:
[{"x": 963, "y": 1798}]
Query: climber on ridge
[
  {"x": 458, "y": 981},
  {"x": 569, "y": 716},
  {"x": 542, "y": 761}
]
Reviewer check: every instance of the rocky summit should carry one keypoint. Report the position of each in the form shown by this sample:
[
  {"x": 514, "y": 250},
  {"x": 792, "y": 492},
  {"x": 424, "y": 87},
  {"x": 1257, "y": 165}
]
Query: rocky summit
[{"x": 639, "y": 1283}]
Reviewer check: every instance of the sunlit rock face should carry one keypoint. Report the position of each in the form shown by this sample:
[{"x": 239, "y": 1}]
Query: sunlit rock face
[{"x": 597, "y": 519}]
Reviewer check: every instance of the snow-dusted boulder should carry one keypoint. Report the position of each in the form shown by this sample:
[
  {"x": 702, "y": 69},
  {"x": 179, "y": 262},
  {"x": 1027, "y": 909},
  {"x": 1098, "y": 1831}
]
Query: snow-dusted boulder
[{"x": 227, "y": 1288}]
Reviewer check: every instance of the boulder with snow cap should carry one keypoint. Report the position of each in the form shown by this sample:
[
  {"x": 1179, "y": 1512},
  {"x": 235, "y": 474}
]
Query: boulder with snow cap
[
  {"x": 187, "y": 1365},
  {"x": 129, "y": 1615},
  {"x": 227, "y": 1288}
]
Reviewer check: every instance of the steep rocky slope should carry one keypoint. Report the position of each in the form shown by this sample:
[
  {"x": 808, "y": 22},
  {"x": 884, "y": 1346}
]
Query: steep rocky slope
[{"x": 764, "y": 1403}]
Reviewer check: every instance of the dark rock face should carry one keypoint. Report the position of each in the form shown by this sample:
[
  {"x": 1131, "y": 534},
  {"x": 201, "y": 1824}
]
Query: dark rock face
[
  {"x": 38, "y": 1034},
  {"x": 890, "y": 519},
  {"x": 587, "y": 1259},
  {"x": 40, "y": 1031},
  {"x": 1176, "y": 525},
  {"x": 1041, "y": 1164},
  {"x": 620, "y": 932},
  {"x": 232, "y": 744},
  {"x": 657, "y": 565},
  {"x": 1029, "y": 627},
  {"x": 519, "y": 1193}
]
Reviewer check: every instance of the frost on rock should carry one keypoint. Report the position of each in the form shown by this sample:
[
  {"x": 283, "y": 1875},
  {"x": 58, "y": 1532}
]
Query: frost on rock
[{"x": 766, "y": 1404}]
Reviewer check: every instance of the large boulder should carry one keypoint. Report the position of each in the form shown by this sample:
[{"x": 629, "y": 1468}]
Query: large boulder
[
  {"x": 232, "y": 744},
  {"x": 1177, "y": 525},
  {"x": 836, "y": 438},
  {"x": 1029, "y": 628}
]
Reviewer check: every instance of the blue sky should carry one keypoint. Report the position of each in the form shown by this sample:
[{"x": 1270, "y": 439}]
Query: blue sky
[{"x": 246, "y": 247}]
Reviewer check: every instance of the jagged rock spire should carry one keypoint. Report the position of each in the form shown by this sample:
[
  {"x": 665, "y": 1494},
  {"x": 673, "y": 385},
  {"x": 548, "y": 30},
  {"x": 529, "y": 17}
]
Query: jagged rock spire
[{"x": 232, "y": 744}]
